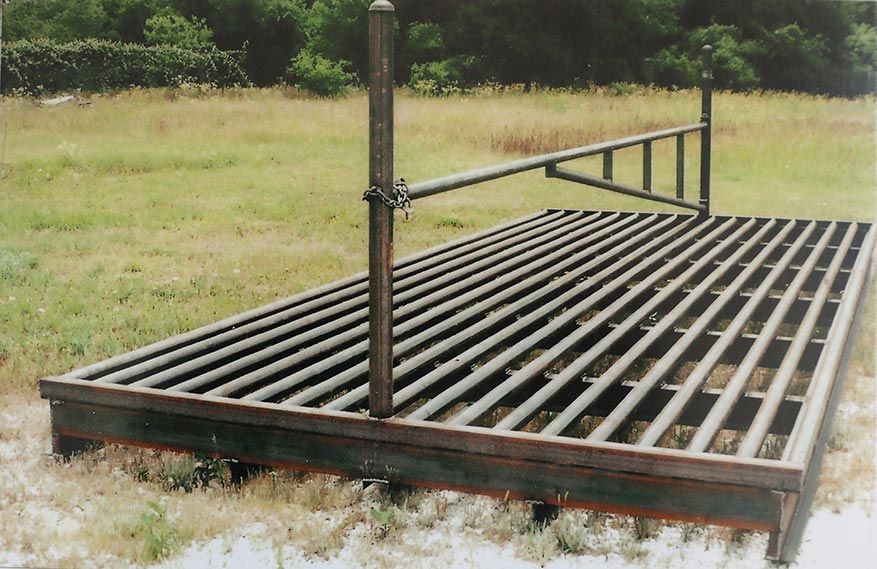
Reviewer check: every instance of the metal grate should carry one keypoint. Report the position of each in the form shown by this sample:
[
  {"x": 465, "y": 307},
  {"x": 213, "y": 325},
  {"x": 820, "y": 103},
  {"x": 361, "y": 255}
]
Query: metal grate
[{"x": 655, "y": 330}]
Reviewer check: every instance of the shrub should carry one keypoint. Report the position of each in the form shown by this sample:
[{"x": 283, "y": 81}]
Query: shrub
[
  {"x": 424, "y": 41},
  {"x": 173, "y": 29},
  {"x": 435, "y": 77},
  {"x": 319, "y": 75},
  {"x": 860, "y": 47},
  {"x": 447, "y": 76},
  {"x": 733, "y": 56},
  {"x": 672, "y": 68},
  {"x": 793, "y": 60},
  {"x": 40, "y": 66}
]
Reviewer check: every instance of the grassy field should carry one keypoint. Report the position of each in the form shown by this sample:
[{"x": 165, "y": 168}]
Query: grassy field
[{"x": 149, "y": 213}]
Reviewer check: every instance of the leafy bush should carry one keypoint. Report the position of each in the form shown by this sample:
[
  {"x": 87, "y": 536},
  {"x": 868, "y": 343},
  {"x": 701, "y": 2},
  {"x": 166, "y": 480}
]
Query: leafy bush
[
  {"x": 447, "y": 76},
  {"x": 670, "y": 67},
  {"x": 41, "y": 66},
  {"x": 622, "y": 89},
  {"x": 793, "y": 60},
  {"x": 173, "y": 29},
  {"x": 338, "y": 30},
  {"x": 436, "y": 77},
  {"x": 733, "y": 57},
  {"x": 319, "y": 75},
  {"x": 425, "y": 41},
  {"x": 860, "y": 47}
]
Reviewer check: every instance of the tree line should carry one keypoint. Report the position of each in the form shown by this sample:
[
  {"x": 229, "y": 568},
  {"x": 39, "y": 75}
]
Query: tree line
[{"x": 446, "y": 45}]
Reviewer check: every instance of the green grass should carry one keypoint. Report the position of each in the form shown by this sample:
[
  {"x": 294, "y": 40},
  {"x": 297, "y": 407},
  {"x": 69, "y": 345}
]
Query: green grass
[{"x": 152, "y": 212}]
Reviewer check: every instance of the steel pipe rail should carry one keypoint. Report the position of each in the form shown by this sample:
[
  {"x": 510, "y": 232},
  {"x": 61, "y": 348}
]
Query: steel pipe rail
[{"x": 426, "y": 188}]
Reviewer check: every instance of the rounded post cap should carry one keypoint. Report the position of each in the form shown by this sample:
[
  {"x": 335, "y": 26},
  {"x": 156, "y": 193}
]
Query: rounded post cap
[
  {"x": 707, "y": 48},
  {"x": 381, "y": 6}
]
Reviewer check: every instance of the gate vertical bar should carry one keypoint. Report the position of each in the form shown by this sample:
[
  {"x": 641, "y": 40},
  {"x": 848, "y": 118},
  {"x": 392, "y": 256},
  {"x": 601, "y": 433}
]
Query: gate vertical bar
[
  {"x": 647, "y": 166},
  {"x": 607, "y": 165},
  {"x": 680, "y": 166},
  {"x": 380, "y": 220},
  {"x": 706, "y": 106}
]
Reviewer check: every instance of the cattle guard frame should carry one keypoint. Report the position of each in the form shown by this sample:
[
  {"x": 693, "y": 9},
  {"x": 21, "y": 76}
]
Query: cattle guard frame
[{"x": 278, "y": 385}]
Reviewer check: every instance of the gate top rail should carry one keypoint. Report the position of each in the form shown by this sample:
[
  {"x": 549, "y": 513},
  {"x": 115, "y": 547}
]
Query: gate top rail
[{"x": 426, "y": 188}]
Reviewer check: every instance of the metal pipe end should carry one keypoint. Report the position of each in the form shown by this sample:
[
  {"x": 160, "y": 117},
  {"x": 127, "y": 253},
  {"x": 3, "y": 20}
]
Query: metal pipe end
[
  {"x": 706, "y": 49},
  {"x": 381, "y": 6}
]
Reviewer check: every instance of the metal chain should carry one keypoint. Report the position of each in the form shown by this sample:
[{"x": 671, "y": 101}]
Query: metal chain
[{"x": 401, "y": 201}]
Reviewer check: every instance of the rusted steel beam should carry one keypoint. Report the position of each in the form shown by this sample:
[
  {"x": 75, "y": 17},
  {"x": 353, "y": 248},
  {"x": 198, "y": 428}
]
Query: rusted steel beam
[
  {"x": 426, "y": 465},
  {"x": 97, "y": 402},
  {"x": 522, "y": 295},
  {"x": 755, "y": 435},
  {"x": 699, "y": 404},
  {"x": 511, "y": 319},
  {"x": 424, "y": 302},
  {"x": 577, "y": 367},
  {"x": 327, "y": 306},
  {"x": 288, "y": 333},
  {"x": 65, "y": 447},
  {"x": 453, "y": 304},
  {"x": 707, "y": 432},
  {"x": 802, "y": 442},
  {"x": 696, "y": 379},
  {"x": 706, "y": 118},
  {"x": 785, "y": 544},
  {"x": 319, "y": 294},
  {"x": 499, "y": 362},
  {"x": 430, "y": 286},
  {"x": 663, "y": 366}
]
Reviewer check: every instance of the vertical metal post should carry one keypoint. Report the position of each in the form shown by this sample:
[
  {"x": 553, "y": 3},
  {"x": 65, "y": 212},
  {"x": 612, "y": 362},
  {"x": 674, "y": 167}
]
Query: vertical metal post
[
  {"x": 607, "y": 165},
  {"x": 680, "y": 166},
  {"x": 380, "y": 215},
  {"x": 647, "y": 166},
  {"x": 2, "y": 4},
  {"x": 706, "y": 106}
]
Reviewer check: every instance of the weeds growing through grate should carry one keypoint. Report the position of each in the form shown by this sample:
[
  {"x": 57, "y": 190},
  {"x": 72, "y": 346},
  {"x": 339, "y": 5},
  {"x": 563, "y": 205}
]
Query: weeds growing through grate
[
  {"x": 630, "y": 432},
  {"x": 727, "y": 442},
  {"x": 720, "y": 376},
  {"x": 773, "y": 446},
  {"x": 680, "y": 373}
]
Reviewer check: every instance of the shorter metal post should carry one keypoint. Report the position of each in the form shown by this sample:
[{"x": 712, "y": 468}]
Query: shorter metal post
[
  {"x": 680, "y": 166},
  {"x": 647, "y": 166},
  {"x": 706, "y": 106},
  {"x": 607, "y": 165}
]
